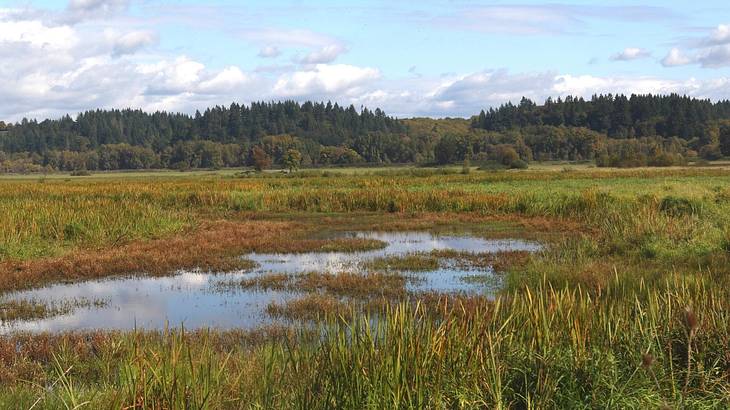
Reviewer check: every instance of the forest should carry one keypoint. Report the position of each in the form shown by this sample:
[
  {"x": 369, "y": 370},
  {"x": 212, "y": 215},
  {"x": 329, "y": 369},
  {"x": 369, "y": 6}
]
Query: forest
[{"x": 620, "y": 131}]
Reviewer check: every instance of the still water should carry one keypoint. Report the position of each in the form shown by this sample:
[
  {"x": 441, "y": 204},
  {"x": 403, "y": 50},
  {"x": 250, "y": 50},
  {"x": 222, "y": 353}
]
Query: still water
[{"x": 194, "y": 299}]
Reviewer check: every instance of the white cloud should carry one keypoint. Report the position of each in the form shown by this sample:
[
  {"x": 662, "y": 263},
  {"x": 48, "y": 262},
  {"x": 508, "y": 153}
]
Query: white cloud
[
  {"x": 587, "y": 85},
  {"x": 465, "y": 95},
  {"x": 230, "y": 78},
  {"x": 719, "y": 36},
  {"x": 324, "y": 55},
  {"x": 172, "y": 77},
  {"x": 133, "y": 41},
  {"x": 675, "y": 58},
  {"x": 711, "y": 51},
  {"x": 74, "y": 65},
  {"x": 38, "y": 35},
  {"x": 269, "y": 52},
  {"x": 79, "y": 10},
  {"x": 715, "y": 57},
  {"x": 631, "y": 53},
  {"x": 324, "y": 79}
]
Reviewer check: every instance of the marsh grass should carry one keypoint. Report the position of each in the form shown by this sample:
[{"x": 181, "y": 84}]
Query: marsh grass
[
  {"x": 368, "y": 285},
  {"x": 540, "y": 348},
  {"x": 23, "y": 310},
  {"x": 626, "y": 307},
  {"x": 420, "y": 262}
]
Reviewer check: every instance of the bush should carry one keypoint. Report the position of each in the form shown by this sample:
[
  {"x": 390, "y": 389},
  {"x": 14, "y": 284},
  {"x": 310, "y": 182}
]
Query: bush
[
  {"x": 675, "y": 206},
  {"x": 711, "y": 152},
  {"x": 518, "y": 164}
]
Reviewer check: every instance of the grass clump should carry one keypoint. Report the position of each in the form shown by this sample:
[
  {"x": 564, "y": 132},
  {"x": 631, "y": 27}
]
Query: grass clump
[
  {"x": 388, "y": 285},
  {"x": 23, "y": 310},
  {"x": 310, "y": 307},
  {"x": 407, "y": 263}
]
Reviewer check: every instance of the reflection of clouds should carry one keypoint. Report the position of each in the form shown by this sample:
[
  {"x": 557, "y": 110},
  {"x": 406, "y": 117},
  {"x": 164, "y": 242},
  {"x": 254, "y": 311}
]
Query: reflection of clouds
[{"x": 188, "y": 297}]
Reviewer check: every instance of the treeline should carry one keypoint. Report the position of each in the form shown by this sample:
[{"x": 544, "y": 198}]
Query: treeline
[
  {"x": 616, "y": 116},
  {"x": 611, "y": 130},
  {"x": 514, "y": 148},
  {"x": 326, "y": 124},
  {"x": 640, "y": 130}
]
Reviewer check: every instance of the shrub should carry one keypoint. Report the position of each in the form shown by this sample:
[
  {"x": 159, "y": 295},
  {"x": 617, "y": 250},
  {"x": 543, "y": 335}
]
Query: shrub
[{"x": 675, "y": 206}]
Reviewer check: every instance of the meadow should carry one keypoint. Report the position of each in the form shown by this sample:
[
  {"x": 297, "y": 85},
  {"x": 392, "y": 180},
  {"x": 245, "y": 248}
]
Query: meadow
[{"x": 627, "y": 306}]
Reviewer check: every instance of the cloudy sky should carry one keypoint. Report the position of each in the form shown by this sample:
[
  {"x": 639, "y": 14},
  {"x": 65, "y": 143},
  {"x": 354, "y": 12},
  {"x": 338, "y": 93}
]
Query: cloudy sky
[{"x": 411, "y": 58}]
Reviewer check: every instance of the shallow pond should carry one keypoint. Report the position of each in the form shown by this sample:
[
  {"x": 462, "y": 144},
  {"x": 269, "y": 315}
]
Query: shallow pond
[{"x": 195, "y": 299}]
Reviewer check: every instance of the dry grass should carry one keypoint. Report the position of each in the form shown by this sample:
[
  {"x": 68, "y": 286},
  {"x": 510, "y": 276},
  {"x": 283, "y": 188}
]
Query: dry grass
[{"x": 215, "y": 246}]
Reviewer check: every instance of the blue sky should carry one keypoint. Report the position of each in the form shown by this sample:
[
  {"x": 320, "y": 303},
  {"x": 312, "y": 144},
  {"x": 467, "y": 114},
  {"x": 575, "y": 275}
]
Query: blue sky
[{"x": 426, "y": 58}]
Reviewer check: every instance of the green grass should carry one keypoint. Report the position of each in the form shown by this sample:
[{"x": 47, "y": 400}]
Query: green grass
[{"x": 628, "y": 306}]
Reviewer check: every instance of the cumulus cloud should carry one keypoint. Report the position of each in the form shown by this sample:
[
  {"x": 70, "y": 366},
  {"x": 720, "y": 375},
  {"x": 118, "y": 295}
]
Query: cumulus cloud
[
  {"x": 67, "y": 68},
  {"x": 631, "y": 53},
  {"x": 675, "y": 58},
  {"x": 324, "y": 79},
  {"x": 77, "y": 65},
  {"x": 719, "y": 36},
  {"x": 37, "y": 34},
  {"x": 133, "y": 41},
  {"x": 711, "y": 51},
  {"x": 465, "y": 95},
  {"x": 228, "y": 79},
  {"x": 715, "y": 57},
  {"x": 269, "y": 52},
  {"x": 324, "y": 55}
]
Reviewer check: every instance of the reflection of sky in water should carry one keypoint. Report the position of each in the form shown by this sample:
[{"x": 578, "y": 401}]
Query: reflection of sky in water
[
  {"x": 399, "y": 243},
  {"x": 191, "y": 299}
]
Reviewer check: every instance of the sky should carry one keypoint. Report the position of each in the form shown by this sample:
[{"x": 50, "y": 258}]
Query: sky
[{"x": 410, "y": 58}]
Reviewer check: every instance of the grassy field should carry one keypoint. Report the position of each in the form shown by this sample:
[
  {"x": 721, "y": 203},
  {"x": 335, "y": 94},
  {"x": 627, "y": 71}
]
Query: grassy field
[{"x": 628, "y": 305}]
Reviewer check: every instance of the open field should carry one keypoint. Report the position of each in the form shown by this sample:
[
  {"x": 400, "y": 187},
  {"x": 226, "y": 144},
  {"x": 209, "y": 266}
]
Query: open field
[{"x": 626, "y": 305}]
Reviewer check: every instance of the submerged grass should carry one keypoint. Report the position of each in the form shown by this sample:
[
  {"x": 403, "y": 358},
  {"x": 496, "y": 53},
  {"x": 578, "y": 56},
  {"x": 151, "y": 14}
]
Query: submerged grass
[
  {"x": 369, "y": 285},
  {"x": 16, "y": 310}
]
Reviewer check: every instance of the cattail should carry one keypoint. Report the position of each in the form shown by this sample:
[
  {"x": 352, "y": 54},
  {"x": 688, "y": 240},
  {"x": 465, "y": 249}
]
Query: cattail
[
  {"x": 691, "y": 319},
  {"x": 647, "y": 360}
]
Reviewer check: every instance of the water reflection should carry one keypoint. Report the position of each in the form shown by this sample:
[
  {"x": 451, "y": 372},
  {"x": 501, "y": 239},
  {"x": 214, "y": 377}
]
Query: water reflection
[{"x": 194, "y": 299}]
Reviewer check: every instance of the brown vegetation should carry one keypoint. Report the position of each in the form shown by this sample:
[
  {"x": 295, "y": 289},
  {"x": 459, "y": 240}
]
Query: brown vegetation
[{"x": 340, "y": 284}]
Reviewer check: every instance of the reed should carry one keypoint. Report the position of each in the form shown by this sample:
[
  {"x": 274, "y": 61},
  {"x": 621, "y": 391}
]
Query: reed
[{"x": 541, "y": 348}]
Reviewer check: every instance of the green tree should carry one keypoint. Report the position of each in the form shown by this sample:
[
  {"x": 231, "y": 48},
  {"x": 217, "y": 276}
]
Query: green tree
[
  {"x": 292, "y": 159},
  {"x": 725, "y": 140}
]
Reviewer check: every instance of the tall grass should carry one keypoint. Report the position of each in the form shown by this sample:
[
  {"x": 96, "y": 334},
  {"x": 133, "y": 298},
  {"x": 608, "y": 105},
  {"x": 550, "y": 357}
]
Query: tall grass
[
  {"x": 538, "y": 348},
  {"x": 631, "y": 310},
  {"x": 54, "y": 217}
]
